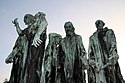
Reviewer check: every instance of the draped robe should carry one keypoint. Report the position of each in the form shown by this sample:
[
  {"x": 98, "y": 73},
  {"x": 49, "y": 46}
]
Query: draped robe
[
  {"x": 75, "y": 59},
  {"x": 103, "y": 56}
]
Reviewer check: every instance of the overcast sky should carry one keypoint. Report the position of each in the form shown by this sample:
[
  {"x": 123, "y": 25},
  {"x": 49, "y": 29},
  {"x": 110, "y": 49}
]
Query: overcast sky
[{"x": 82, "y": 13}]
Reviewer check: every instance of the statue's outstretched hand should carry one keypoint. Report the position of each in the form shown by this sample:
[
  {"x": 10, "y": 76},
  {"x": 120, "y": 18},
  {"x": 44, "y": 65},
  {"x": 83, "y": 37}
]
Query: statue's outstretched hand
[{"x": 15, "y": 22}]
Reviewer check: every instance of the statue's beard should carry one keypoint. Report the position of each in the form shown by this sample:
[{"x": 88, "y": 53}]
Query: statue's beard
[
  {"x": 100, "y": 29},
  {"x": 69, "y": 33}
]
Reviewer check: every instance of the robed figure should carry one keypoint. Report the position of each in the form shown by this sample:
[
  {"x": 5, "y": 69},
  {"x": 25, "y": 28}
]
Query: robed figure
[
  {"x": 51, "y": 64},
  {"x": 73, "y": 55},
  {"x": 103, "y": 56},
  {"x": 37, "y": 38},
  {"x": 28, "y": 51},
  {"x": 19, "y": 53}
]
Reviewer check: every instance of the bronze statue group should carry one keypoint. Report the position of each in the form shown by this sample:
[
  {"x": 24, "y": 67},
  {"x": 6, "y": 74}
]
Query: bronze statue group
[{"x": 63, "y": 60}]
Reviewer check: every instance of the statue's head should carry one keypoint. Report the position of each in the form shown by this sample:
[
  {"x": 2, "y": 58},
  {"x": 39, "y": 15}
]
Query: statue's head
[
  {"x": 54, "y": 38},
  {"x": 40, "y": 15},
  {"x": 99, "y": 24},
  {"x": 28, "y": 19},
  {"x": 69, "y": 28}
]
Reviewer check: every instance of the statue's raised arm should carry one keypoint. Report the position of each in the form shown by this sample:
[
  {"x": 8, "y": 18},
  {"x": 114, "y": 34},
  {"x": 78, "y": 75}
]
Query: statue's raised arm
[{"x": 16, "y": 24}]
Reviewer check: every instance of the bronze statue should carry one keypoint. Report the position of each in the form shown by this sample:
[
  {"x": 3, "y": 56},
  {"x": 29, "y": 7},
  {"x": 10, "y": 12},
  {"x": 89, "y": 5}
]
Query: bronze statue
[
  {"x": 37, "y": 39},
  {"x": 65, "y": 59},
  {"x": 103, "y": 56},
  {"x": 74, "y": 55},
  {"x": 51, "y": 60},
  {"x": 28, "y": 51},
  {"x": 19, "y": 54}
]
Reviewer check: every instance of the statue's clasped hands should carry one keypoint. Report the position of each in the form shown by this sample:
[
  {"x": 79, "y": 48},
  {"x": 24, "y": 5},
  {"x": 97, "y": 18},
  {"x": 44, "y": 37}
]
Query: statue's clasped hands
[{"x": 9, "y": 59}]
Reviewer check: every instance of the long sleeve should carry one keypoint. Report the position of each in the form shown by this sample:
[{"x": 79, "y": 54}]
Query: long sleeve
[
  {"x": 113, "y": 55},
  {"x": 82, "y": 51}
]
